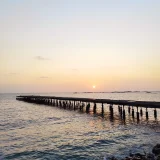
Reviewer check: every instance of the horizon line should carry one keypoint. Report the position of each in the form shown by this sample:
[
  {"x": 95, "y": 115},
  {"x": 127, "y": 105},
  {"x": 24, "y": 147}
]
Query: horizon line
[{"x": 79, "y": 92}]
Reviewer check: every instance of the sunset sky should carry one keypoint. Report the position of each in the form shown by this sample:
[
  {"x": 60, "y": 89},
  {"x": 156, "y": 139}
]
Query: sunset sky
[{"x": 73, "y": 45}]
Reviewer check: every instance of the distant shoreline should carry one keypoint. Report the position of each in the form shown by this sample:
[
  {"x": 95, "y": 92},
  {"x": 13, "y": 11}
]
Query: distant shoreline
[
  {"x": 120, "y": 92},
  {"x": 76, "y": 92}
]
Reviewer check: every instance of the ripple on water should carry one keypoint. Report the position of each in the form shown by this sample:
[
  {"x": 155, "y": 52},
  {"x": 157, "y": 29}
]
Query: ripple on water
[{"x": 29, "y": 131}]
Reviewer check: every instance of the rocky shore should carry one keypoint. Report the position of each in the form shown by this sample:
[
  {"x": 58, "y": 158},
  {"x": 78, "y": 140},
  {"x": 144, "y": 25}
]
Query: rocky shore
[{"x": 155, "y": 155}]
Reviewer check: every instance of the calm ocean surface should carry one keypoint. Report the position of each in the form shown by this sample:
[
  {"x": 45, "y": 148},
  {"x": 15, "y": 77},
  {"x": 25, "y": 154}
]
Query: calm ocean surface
[{"x": 30, "y": 131}]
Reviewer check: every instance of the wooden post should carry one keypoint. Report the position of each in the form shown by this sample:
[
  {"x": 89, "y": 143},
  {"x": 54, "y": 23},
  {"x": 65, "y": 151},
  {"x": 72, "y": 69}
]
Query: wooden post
[
  {"x": 129, "y": 109},
  {"x": 121, "y": 111},
  {"x": 102, "y": 109},
  {"x": 137, "y": 114},
  {"x": 119, "y": 108},
  {"x": 124, "y": 114},
  {"x": 94, "y": 108},
  {"x": 141, "y": 112},
  {"x": 146, "y": 113},
  {"x": 111, "y": 109},
  {"x": 132, "y": 112},
  {"x": 88, "y": 107},
  {"x": 155, "y": 113},
  {"x": 74, "y": 105}
]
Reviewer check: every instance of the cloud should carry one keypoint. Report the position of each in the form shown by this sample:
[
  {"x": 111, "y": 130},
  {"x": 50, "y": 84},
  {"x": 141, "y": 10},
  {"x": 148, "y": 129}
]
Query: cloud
[
  {"x": 11, "y": 74},
  {"x": 40, "y": 58},
  {"x": 44, "y": 77},
  {"x": 75, "y": 70}
]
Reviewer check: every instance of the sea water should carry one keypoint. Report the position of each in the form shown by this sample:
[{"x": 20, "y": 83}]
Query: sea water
[{"x": 32, "y": 131}]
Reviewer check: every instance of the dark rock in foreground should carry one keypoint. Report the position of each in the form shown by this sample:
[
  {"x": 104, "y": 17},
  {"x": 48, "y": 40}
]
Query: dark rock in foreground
[
  {"x": 156, "y": 149},
  {"x": 155, "y": 155}
]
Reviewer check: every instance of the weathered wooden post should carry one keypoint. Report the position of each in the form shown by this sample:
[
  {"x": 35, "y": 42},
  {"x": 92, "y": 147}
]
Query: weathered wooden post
[
  {"x": 146, "y": 113},
  {"x": 111, "y": 110},
  {"x": 129, "y": 109},
  {"x": 80, "y": 107},
  {"x": 74, "y": 105},
  {"x": 83, "y": 104},
  {"x": 141, "y": 112},
  {"x": 69, "y": 104},
  {"x": 94, "y": 108},
  {"x": 119, "y": 108},
  {"x": 137, "y": 114},
  {"x": 121, "y": 112},
  {"x": 124, "y": 114},
  {"x": 53, "y": 102},
  {"x": 64, "y": 104},
  {"x": 110, "y": 107},
  {"x": 47, "y": 101},
  {"x": 88, "y": 107},
  {"x": 155, "y": 113},
  {"x": 132, "y": 112},
  {"x": 102, "y": 109}
]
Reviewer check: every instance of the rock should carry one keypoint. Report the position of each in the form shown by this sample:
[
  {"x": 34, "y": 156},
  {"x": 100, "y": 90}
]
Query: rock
[
  {"x": 136, "y": 158},
  {"x": 112, "y": 158},
  {"x": 139, "y": 155},
  {"x": 131, "y": 154},
  {"x": 150, "y": 156},
  {"x": 144, "y": 158},
  {"x": 128, "y": 158},
  {"x": 156, "y": 149},
  {"x": 158, "y": 157}
]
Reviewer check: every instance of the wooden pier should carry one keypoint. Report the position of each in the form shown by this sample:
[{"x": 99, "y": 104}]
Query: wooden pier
[{"x": 80, "y": 103}]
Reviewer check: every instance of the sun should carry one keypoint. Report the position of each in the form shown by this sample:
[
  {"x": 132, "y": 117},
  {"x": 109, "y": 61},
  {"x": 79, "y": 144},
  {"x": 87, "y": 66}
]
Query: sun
[{"x": 94, "y": 87}]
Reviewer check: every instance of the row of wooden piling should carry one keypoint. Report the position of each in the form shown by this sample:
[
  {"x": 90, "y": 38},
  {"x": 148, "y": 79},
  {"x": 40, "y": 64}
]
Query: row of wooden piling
[
  {"x": 80, "y": 103},
  {"x": 132, "y": 112}
]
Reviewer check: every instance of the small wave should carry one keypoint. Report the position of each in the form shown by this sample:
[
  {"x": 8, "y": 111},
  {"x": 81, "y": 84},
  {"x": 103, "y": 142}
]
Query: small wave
[
  {"x": 90, "y": 133},
  {"x": 125, "y": 137},
  {"x": 102, "y": 142},
  {"x": 20, "y": 154},
  {"x": 47, "y": 154},
  {"x": 54, "y": 118}
]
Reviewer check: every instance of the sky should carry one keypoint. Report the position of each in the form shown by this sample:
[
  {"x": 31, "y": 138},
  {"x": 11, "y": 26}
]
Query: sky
[{"x": 73, "y": 45}]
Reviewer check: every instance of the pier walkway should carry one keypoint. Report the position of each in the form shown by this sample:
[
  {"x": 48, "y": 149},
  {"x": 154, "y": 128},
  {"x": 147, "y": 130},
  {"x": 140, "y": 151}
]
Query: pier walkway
[{"x": 80, "y": 103}]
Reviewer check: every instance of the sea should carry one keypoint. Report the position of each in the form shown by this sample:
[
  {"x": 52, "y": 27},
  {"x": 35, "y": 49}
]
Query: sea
[{"x": 41, "y": 132}]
